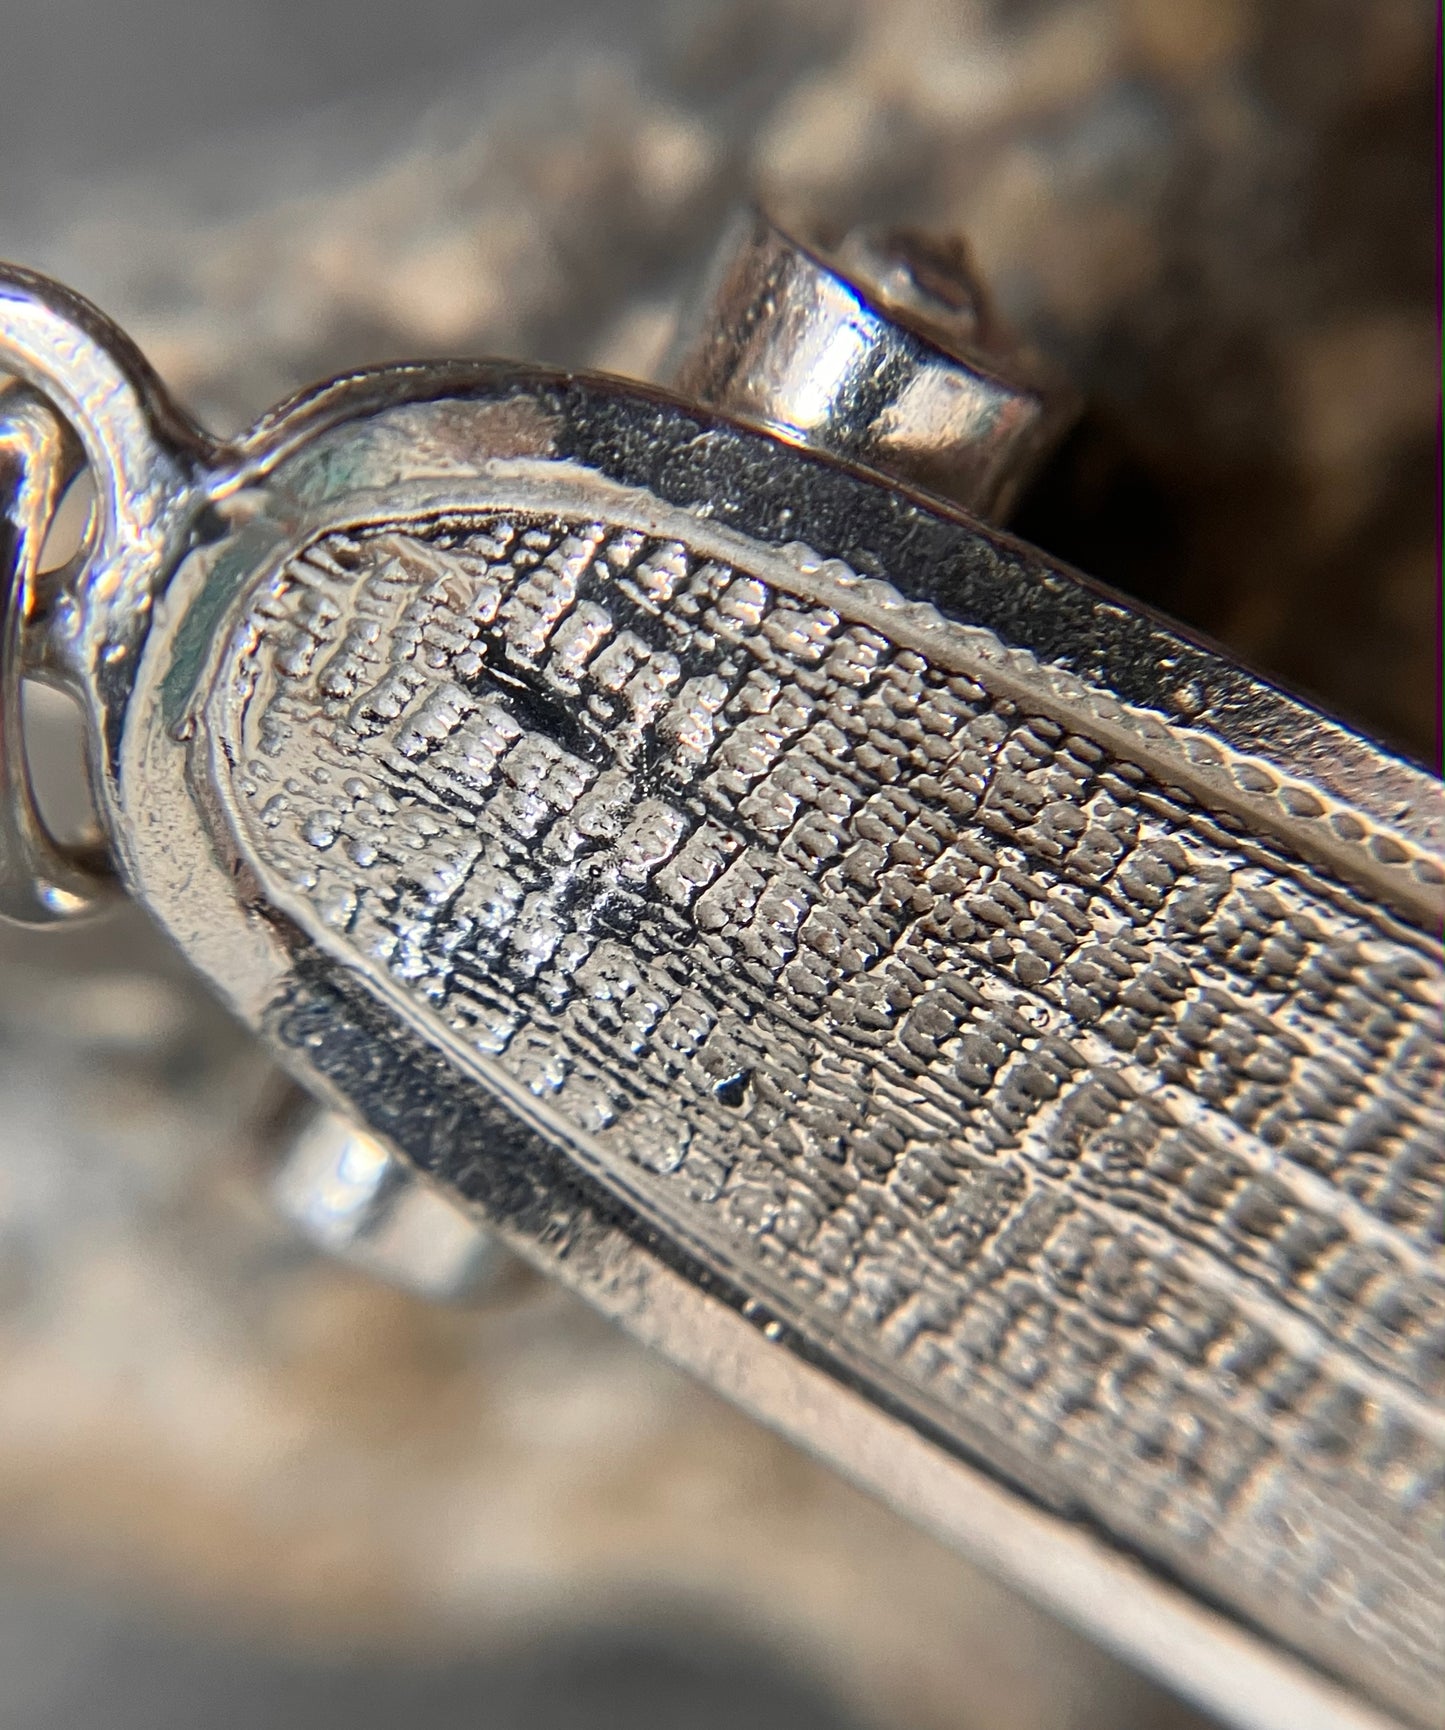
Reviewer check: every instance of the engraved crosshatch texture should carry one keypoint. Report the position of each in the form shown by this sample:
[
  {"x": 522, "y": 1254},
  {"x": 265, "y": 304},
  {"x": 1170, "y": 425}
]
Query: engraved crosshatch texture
[{"x": 1110, "y": 1138}]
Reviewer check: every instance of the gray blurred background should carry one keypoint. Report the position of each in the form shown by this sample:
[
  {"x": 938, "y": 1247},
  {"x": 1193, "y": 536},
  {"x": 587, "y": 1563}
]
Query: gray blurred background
[{"x": 241, "y": 1486}]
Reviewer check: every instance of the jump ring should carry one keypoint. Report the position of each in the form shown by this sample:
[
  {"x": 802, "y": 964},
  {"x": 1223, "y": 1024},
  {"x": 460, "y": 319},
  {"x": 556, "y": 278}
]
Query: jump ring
[{"x": 41, "y": 881}]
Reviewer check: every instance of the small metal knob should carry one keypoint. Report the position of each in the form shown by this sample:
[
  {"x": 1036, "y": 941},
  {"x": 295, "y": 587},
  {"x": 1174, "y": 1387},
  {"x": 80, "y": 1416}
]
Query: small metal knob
[
  {"x": 883, "y": 350},
  {"x": 355, "y": 1199}
]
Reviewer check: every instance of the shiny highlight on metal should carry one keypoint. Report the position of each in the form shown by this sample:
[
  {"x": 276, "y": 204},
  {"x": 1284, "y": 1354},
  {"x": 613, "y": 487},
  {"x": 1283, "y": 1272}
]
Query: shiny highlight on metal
[
  {"x": 351, "y": 1196},
  {"x": 41, "y": 882},
  {"x": 883, "y": 350}
]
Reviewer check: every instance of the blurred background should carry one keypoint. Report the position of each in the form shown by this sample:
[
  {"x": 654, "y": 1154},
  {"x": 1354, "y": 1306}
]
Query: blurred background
[{"x": 243, "y": 1486}]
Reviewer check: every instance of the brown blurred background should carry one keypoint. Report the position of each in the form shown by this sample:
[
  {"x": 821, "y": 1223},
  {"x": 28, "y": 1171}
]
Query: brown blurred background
[{"x": 242, "y": 1486}]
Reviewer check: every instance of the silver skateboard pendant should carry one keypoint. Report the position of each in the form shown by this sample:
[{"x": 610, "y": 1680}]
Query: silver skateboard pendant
[{"x": 981, "y": 1029}]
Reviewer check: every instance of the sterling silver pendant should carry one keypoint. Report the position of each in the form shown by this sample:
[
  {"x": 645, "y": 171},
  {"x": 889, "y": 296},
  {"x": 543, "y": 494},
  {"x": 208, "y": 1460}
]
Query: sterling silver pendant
[{"x": 985, "y": 1032}]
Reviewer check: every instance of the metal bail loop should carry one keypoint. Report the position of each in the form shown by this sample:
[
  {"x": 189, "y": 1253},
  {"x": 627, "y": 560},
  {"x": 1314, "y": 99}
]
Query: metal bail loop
[
  {"x": 84, "y": 391},
  {"x": 41, "y": 882}
]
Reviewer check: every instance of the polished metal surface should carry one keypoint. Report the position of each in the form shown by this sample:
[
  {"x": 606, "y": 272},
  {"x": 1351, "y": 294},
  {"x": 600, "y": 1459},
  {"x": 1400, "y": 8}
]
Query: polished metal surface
[
  {"x": 883, "y": 350},
  {"x": 979, "y": 1029},
  {"x": 41, "y": 882},
  {"x": 354, "y": 1198}
]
